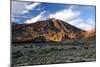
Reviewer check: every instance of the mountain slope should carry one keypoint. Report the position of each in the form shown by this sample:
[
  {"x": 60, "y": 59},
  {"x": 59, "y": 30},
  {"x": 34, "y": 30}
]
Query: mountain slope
[
  {"x": 90, "y": 35},
  {"x": 47, "y": 30}
]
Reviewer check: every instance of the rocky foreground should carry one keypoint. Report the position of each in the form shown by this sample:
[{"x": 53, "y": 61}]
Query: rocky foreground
[{"x": 53, "y": 53}]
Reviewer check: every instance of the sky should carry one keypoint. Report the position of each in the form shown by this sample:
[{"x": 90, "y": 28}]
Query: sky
[{"x": 81, "y": 16}]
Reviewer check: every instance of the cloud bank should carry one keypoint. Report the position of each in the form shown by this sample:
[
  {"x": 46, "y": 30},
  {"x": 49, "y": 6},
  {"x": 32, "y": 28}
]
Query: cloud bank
[{"x": 37, "y": 18}]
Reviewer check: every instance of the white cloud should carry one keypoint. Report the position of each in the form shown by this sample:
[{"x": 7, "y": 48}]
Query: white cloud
[
  {"x": 29, "y": 7},
  {"x": 85, "y": 24},
  {"x": 73, "y": 17},
  {"x": 13, "y": 19},
  {"x": 24, "y": 11},
  {"x": 34, "y": 19},
  {"x": 32, "y": 6},
  {"x": 65, "y": 15},
  {"x": 68, "y": 15},
  {"x": 16, "y": 7},
  {"x": 22, "y": 7},
  {"x": 19, "y": 8}
]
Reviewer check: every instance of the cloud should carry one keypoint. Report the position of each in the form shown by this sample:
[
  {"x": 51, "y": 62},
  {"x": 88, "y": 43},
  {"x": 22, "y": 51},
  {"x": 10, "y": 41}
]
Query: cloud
[
  {"x": 16, "y": 7},
  {"x": 72, "y": 17},
  {"x": 37, "y": 18},
  {"x": 13, "y": 19},
  {"x": 65, "y": 15},
  {"x": 85, "y": 24},
  {"x": 24, "y": 11},
  {"x": 18, "y": 11},
  {"x": 32, "y": 6}
]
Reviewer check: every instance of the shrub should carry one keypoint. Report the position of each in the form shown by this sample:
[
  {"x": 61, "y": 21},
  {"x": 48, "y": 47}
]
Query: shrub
[
  {"x": 17, "y": 54},
  {"x": 76, "y": 42},
  {"x": 46, "y": 50}
]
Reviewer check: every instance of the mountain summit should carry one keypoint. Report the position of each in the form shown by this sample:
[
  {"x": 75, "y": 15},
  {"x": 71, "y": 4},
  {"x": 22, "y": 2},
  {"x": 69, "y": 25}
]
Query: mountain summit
[{"x": 46, "y": 30}]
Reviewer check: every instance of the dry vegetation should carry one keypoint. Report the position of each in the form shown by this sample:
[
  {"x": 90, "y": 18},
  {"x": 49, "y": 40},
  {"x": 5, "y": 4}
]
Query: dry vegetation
[{"x": 53, "y": 53}]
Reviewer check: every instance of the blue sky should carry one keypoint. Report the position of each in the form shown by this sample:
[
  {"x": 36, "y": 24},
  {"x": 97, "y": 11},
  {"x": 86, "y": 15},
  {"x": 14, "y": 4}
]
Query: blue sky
[{"x": 29, "y": 12}]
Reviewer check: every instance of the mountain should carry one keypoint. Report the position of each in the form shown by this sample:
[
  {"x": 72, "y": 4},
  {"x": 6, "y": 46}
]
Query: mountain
[
  {"x": 46, "y": 30},
  {"x": 90, "y": 35}
]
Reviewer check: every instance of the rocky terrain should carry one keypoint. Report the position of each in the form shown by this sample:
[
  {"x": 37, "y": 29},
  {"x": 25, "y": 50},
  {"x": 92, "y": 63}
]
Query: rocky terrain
[{"x": 53, "y": 53}]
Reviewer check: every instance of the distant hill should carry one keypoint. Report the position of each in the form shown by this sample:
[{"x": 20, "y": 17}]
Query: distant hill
[
  {"x": 90, "y": 35},
  {"x": 46, "y": 30}
]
